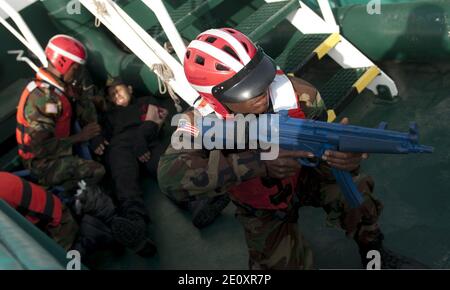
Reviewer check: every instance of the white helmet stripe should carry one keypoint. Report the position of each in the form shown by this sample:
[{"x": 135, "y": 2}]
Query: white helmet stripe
[
  {"x": 234, "y": 43},
  {"x": 217, "y": 54},
  {"x": 203, "y": 89},
  {"x": 66, "y": 53}
]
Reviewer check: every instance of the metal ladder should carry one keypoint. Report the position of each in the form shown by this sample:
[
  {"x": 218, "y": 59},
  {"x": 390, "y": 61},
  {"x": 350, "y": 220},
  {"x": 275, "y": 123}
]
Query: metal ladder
[{"x": 315, "y": 38}]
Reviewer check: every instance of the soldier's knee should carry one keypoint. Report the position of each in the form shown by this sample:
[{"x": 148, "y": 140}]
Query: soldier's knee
[
  {"x": 365, "y": 183},
  {"x": 99, "y": 171},
  {"x": 91, "y": 171},
  {"x": 371, "y": 207}
]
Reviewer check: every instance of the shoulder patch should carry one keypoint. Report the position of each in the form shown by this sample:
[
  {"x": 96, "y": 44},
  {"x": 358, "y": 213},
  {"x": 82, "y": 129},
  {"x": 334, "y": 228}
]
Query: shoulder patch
[{"x": 51, "y": 108}]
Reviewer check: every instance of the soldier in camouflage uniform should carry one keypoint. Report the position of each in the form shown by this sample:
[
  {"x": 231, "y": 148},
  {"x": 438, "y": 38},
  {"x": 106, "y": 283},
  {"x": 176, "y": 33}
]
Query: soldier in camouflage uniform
[
  {"x": 45, "y": 113},
  {"x": 272, "y": 234}
]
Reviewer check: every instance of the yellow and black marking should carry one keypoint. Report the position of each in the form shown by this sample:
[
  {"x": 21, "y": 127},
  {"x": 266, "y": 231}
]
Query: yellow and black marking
[
  {"x": 318, "y": 53},
  {"x": 366, "y": 79},
  {"x": 363, "y": 81},
  {"x": 331, "y": 116},
  {"x": 327, "y": 45}
]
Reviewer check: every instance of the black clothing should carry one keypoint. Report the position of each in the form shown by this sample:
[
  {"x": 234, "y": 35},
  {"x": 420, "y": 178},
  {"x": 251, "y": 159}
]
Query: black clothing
[{"x": 130, "y": 136}]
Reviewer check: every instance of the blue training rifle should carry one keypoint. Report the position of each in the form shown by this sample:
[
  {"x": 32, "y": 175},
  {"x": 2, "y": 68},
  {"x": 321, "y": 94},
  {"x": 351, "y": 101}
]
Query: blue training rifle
[{"x": 317, "y": 137}]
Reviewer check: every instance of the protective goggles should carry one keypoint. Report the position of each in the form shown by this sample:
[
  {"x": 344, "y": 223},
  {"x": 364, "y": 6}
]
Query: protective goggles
[{"x": 251, "y": 81}]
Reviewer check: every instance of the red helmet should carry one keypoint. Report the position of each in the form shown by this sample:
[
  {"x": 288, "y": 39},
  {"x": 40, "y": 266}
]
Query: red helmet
[
  {"x": 224, "y": 65},
  {"x": 63, "y": 51}
]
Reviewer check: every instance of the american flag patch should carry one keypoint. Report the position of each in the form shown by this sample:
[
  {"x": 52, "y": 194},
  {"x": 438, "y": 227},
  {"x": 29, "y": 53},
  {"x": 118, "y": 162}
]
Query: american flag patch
[{"x": 185, "y": 126}]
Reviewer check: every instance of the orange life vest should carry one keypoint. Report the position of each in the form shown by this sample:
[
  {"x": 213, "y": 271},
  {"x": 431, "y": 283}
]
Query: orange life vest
[
  {"x": 32, "y": 201},
  {"x": 63, "y": 123}
]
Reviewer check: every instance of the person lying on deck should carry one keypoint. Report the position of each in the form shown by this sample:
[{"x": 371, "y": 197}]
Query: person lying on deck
[{"x": 132, "y": 128}]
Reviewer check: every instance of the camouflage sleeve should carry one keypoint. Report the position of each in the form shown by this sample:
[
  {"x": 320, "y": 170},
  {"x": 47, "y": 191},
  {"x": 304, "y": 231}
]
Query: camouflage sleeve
[
  {"x": 85, "y": 91},
  {"x": 191, "y": 174},
  {"x": 85, "y": 111},
  {"x": 42, "y": 111}
]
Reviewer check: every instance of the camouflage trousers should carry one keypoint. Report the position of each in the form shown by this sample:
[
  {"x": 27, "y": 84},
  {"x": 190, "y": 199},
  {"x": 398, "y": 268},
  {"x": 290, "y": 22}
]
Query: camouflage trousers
[
  {"x": 273, "y": 238},
  {"x": 66, "y": 232},
  {"x": 66, "y": 171}
]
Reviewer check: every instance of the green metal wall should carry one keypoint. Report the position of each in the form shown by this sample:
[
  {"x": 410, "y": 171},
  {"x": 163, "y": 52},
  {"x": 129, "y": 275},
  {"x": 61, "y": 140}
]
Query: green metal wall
[
  {"x": 105, "y": 55},
  {"x": 416, "y": 31},
  {"x": 411, "y": 30}
]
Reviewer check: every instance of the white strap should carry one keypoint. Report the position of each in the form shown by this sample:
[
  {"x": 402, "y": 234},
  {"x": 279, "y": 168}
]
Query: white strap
[
  {"x": 45, "y": 78},
  {"x": 282, "y": 93},
  {"x": 31, "y": 86}
]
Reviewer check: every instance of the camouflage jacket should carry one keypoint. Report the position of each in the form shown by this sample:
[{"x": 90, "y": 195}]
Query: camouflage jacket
[
  {"x": 189, "y": 174},
  {"x": 42, "y": 120}
]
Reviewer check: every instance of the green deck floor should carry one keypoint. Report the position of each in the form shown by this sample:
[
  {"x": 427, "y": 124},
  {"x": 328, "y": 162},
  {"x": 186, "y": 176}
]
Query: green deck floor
[{"x": 415, "y": 191}]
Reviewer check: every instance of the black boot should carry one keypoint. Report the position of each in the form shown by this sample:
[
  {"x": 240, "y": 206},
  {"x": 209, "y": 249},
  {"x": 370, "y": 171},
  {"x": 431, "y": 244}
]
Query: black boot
[
  {"x": 131, "y": 231},
  {"x": 205, "y": 211},
  {"x": 389, "y": 259}
]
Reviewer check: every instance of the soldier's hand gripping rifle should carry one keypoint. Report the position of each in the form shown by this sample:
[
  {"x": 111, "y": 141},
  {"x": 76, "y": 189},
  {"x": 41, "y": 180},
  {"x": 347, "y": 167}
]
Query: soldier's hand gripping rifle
[{"x": 317, "y": 137}]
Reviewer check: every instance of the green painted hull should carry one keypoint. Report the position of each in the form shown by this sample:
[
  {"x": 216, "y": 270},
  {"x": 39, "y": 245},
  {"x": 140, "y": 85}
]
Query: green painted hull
[
  {"x": 406, "y": 31},
  {"x": 416, "y": 31}
]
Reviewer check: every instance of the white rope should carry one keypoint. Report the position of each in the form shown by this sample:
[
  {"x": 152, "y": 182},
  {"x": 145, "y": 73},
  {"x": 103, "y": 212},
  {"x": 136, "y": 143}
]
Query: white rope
[
  {"x": 101, "y": 10},
  {"x": 164, "y": 74},
  {"x": 162, "y": 70}
]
